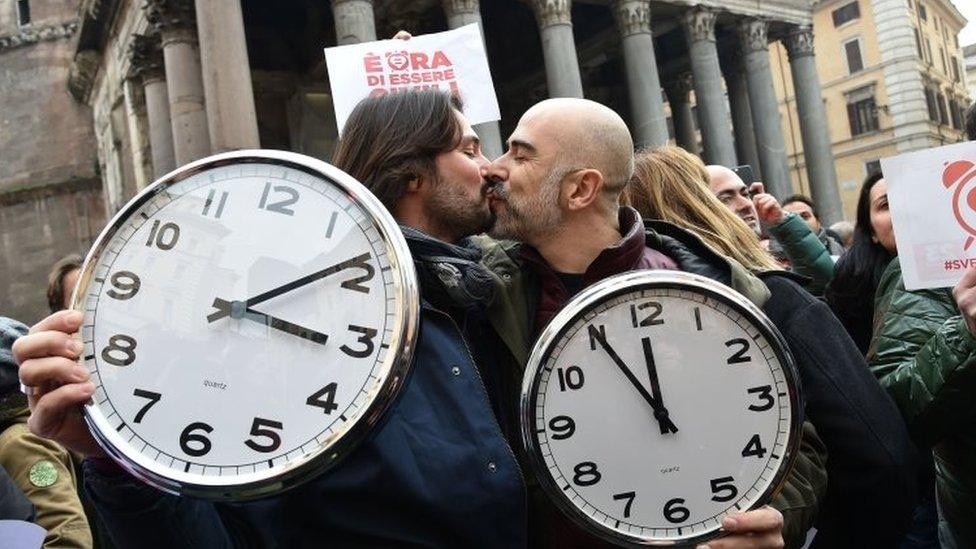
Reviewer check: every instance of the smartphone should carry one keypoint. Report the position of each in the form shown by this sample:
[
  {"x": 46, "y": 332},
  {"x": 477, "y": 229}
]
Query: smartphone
[{"x": 745, "y": 174}]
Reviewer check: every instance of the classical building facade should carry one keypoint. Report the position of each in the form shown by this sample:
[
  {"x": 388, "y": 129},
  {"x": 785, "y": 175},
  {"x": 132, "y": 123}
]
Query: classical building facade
[
  {"x": 50, "y": 186},
  {"x": 166, "y": 82},
  {"x": 893, "y": 82}
]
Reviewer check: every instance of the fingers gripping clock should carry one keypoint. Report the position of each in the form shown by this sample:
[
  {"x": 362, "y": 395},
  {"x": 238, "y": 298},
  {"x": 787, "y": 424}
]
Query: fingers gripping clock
[
  {"x": 655, "y": 404},
  {"x": 246, "y": 321}
]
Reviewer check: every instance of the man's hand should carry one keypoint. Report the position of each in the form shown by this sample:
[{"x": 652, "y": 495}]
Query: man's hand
[
  {"x": 402, "y": 35},
  {"x": 48, "y": 358},
  {"x": 768, "y": 209},
  {"x": 759, "y": 529},
  {"x": 965, "y": 294}
]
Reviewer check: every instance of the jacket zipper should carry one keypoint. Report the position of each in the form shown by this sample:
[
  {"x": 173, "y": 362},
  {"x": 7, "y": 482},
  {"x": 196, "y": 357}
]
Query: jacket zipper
[{"x": 484, "y": 395}]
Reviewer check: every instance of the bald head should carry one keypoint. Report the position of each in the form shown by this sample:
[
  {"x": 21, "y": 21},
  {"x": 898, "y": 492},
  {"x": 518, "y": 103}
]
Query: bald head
[
  {"x": 589, "y": 135},
  {"x": 729, "y": 188}
]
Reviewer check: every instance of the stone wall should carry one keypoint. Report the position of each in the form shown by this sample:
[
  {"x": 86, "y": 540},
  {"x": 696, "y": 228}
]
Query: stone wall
[
  {"x": 50, "y": 190},
  {"x": 38, "y": 227}
]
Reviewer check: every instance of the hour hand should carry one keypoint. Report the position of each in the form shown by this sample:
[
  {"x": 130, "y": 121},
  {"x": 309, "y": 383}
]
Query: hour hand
[{"x": 238, "y": 309}]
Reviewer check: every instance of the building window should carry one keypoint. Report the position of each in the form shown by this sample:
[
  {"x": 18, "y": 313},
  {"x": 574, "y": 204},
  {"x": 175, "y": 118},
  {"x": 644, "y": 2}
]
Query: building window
[
  {"x": 955, "y": 113},
  {"x": 945, "y": 68},
  {"x": 930, "y": 103},
  {"x": 23, "y": 12},
  {"x": 928, "y": 51},
  {"x": 862, "y": 110},
  {"x": 918, "y": 44},
  {"x": 921, "y": 12},
  {"x": 852, "y": 52},
  {"x": 872, "y": 166},
  {"x": 846, "y": 14},
  {"x": 955, "y": 70}
]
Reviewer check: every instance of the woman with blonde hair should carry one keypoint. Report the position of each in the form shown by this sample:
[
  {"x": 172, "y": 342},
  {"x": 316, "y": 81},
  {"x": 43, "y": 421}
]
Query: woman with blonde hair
[{"x": 671, "y": 184}]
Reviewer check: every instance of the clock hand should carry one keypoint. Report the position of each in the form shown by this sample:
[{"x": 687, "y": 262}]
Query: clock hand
[
  {"x": 238, "y": 309},
  {"x": 661, "y": 415},
  {"x": 358, "y": 261}
]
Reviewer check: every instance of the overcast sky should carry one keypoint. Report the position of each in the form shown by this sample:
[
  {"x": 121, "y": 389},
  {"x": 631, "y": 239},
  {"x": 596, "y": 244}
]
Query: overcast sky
[{"x": 968, "y": 9}]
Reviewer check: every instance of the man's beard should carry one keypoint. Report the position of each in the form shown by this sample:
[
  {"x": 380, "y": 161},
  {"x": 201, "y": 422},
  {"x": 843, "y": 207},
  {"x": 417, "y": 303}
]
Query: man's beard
[
  {"x": 454, "y": 214},
  {"x": 535, "y": 217}
]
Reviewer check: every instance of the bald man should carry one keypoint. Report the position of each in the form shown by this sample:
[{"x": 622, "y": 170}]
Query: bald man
[
  {"x": 792, "y": 241},
  {"x": 557, "y": 189}
]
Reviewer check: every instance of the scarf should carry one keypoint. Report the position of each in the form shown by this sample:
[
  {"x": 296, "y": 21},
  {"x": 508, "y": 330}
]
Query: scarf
[{"x": 450, "y": 275}]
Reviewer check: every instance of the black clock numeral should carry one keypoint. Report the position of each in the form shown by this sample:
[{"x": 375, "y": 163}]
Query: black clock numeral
[
  {"x": 201, "y": 442},
  {"x": 570, "y": 378},
  {"x": 629, "y": 496},
  {"x": 121, "y": 350},
  {"x": 163, "y": 236},
  {"x": 594, "y": 332},
  {"x": 652, "y": 317},
  {"x": 263, "y": 428},
  {"x": 329, "y": 392},
  {"x": 281, "y": 206},
  {"x": 366, "y": 338},
  {"x": 153, "y": 399},
  {"x": 723, "y": 489},
  {"x": 219, "y": 210},
  {"x": 754, "y": 448},
  {"x": 698, "y": 324},
  {"x": 125, "y": 285},
  {"x": 586, "y": 474},
  {"x": 356, "y": 284},
  {"x": 675, "y": 512},
  {"x": 562, "y": 427},
  {"x": 765, "y": 393},
  {"x": 739, "y": 356}
]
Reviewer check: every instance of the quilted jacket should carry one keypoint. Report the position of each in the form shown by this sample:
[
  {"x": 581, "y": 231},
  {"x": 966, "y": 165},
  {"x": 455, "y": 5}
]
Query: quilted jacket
[{"x": 926, "y": 358}]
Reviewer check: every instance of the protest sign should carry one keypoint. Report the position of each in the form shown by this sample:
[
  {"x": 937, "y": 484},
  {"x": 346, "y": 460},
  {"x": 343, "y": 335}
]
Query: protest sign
[
  {"x": 932, "y": 196},
  {"x": 453, "y": 61}
]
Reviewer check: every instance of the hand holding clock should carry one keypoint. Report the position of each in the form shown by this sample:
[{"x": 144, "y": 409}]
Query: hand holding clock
[{"x": 57, "y": 383}]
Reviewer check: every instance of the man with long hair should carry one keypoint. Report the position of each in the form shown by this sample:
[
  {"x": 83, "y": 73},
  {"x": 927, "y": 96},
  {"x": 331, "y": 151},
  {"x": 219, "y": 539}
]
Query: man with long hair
[{"x": 438, "y": 471}]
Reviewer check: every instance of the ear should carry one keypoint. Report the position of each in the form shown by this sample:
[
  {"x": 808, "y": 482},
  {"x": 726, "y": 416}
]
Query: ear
[{"x": 583, "y": 189}]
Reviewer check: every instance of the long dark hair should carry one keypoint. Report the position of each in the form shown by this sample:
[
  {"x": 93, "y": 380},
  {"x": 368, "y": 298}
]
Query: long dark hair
[
  {"x": 392, "y": 139},
  {"x": 856, "y": 275}
]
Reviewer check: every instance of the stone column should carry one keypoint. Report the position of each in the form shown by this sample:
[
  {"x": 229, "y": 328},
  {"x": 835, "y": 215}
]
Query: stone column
[
  {"x": 354, "y": 21},
  {"x": 765, "y": 108},
  {"x": 174, "y": 20},
  {"x": 146, "y": 56},
  {"x": 558, "y": 47},
  {"x": 460, "y": 13},
  {"x": 678, "y": 91},
  {"x": 643, "y": 83},
  {"x": 813, "y": 126},
  {"x": 699, "y": 24},
  {"x": 231, "y": 116},
  {"x": 738, "y": 91}
]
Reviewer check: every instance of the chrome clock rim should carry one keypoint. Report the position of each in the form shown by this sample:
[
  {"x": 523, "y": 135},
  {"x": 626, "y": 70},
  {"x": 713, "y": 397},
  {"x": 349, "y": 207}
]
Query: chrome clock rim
[
  {"x": 627, "y": 283},
  {"x": 395, "y": 367}
]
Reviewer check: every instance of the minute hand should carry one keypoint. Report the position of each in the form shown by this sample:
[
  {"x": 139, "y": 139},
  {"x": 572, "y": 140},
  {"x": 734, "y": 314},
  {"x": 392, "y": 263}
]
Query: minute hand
[
  {"x": 358, "y": 261},
  {"x": 660, "y": 414}
]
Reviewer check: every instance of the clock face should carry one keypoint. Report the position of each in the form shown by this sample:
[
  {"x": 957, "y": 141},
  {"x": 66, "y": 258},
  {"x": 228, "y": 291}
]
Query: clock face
[
  {"x": 656, "y": 404},
  {"x": 243, "y": 320}
]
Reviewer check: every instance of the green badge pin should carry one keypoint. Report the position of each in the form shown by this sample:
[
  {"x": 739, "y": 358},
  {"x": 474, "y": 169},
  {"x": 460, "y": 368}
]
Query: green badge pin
[{"x": 43, "y": 474}]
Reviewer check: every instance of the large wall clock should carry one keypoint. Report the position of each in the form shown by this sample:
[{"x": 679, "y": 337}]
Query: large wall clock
[
  {"x": 247, "y": 319},
  {"x": 655, "y": 404}
]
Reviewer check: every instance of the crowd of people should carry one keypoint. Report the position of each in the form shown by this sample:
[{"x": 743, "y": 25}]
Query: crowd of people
[{"x": 888, "y": 449}]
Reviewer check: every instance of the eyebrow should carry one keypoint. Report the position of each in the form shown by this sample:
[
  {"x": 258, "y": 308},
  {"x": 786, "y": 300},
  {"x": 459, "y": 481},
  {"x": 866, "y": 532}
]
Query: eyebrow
[
  {"x": 469, "y": 139},
  {"x": 522, "y": 145}
]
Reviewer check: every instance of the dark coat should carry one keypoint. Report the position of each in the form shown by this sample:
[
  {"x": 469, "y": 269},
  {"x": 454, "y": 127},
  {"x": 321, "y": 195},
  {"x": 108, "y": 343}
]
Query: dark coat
[{"x": 437, "y": 472}]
